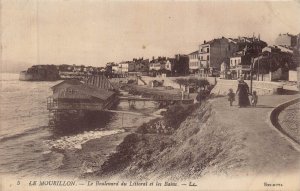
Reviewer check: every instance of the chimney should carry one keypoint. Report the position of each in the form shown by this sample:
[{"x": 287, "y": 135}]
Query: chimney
[{"x": 204, "y": 41}]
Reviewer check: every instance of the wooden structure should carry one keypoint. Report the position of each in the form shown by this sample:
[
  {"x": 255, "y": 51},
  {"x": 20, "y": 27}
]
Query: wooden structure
[
  {"x": 96, "y": 94},
  {"x": 99, "y": 81}
]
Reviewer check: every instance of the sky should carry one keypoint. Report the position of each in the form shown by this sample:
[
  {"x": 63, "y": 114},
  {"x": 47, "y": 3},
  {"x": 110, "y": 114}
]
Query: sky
[{"x": 94, "y": 32}]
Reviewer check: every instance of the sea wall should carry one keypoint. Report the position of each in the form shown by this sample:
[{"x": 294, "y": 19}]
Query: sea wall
[
  {"x": 294, "y": 75},
  {"x": 261, "y": 87},
  {"x": 171, "y": 81},
  {"x": 221, "y": 85}
]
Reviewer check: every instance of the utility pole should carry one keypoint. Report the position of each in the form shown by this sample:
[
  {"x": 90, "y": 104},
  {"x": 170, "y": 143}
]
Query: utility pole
[
  {"x": 251, "y": 74},
  {"x": 37, "y": 33},
  {"x": 258, "y": 69}
]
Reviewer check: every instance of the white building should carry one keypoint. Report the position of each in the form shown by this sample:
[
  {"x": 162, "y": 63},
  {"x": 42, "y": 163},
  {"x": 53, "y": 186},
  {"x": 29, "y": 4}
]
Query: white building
[
  {"x": 168, "y": 65},
  {"x": 155, "y": 66},
  {"x": 235, "y": 61},
  {"x": 194, "y": 62},
  {"x": 115, "y": 68},
  {"x": 123, "y": 67}
]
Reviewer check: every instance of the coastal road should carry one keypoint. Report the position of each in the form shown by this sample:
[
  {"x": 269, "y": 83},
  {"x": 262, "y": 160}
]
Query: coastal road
[
  {"x": 265, "y": 149},
  {"x": 289, "y": 120}
]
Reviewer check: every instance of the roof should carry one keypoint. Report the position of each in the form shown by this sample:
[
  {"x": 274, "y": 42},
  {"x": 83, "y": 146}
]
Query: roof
[
  {"x": 68, "y": 82},
  {"x": 287, "y": 34},
  {"x": 214, "y": 40},
  {"x": 94, "y": 91},
  {"x": 69, "y": 95},
  {"x": 81, "y": 90},
  {"x": 233, "y": 40},
  {"x": 195, "y": 52},
  {"x": 99, "y": 81}
]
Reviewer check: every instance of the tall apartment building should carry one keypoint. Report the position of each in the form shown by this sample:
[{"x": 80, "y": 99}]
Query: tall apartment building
[
  {"x": 141, "y": 65},
  {"x": 286, "y": 40},
  {"x": 213, "y": 53},
  {"x": 217, "y": 51}
]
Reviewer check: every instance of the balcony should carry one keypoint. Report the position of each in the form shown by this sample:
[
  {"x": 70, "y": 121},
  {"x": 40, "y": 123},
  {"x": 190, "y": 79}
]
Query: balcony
[{"x": 204, "y": 52}]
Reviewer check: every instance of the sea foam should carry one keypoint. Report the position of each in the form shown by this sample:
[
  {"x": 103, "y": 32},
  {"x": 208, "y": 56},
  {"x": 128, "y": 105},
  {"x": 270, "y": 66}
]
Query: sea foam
[{"x": 75, "y": 142}]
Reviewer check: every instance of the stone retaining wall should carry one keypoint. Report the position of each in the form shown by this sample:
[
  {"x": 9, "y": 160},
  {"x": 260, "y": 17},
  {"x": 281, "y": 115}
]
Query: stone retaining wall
[
  {"x": 171, "y": 81},
  {"x": 261, "y": 87}
]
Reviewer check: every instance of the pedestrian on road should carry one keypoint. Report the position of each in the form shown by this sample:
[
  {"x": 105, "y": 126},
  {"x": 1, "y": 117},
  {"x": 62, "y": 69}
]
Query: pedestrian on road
[
  {"x": 231, "y": 96},
  {"x": 243, "y": 92},
  {"x": 254, "y": 99}
]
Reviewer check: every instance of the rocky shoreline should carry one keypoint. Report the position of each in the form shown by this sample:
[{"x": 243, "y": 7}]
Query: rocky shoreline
[
  {"x": 91, "y": 156},
  {"x": 203, "y": 143},
  {"x": 137, "y": 154},
  {"x": 188, "y": 142}
]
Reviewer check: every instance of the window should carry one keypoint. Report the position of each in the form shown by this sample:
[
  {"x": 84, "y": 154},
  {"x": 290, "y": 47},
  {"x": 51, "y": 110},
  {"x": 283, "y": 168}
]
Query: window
[
  {"x": 201, "y": 57},
  {"x": 235, "y": 62},
  {"x": 207, "y": 57},
  {"x": 207, "y": 50}
]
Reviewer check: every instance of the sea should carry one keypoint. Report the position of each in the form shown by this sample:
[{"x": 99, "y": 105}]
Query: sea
[{"x": 29, "y": 145}]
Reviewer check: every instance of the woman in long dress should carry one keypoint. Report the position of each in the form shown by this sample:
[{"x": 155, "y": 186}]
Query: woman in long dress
[{"x": 243, "y": 92}]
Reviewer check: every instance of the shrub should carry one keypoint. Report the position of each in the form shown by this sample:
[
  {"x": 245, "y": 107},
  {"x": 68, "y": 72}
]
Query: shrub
[{"x": 177, "y": 114}]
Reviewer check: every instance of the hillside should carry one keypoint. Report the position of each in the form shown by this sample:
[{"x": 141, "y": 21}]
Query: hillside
[{"x": 214, "y": 140}]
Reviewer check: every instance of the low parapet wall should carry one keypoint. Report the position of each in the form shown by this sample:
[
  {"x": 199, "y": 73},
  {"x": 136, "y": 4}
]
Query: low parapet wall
[
  {"x": 261, "y": 87},
  {"x": 274, "y": 119},
  {"x": 171, "y": 81},
  {"x": 168, "y": 81}
]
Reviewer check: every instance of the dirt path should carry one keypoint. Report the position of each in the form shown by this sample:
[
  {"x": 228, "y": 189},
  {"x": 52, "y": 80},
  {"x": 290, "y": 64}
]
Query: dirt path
[{"x": 265, "y": 149}]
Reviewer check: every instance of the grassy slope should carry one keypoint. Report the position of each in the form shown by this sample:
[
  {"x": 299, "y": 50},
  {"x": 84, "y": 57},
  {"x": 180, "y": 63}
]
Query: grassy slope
[
  {"x": 186, "y": 153},
  {"x": 206, "y": 143}
]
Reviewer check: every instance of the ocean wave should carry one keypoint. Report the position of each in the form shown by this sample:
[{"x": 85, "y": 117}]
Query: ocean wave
[
  {"x": 21, "y": 134},
  {"x": 75, "y": 142}
]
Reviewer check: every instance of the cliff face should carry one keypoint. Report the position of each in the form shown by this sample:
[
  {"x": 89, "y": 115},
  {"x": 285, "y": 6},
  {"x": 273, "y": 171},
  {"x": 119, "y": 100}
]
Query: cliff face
[{"x": 40, "y": 73}]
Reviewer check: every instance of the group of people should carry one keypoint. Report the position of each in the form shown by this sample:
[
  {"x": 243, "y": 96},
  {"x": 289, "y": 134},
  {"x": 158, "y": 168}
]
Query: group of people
[{"x": 243, "y": 94}]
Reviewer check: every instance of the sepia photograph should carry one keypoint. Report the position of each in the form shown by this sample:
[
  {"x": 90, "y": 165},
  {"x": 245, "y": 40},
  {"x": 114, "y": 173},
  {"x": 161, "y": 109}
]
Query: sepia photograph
[{"x": 149, "y": 95}]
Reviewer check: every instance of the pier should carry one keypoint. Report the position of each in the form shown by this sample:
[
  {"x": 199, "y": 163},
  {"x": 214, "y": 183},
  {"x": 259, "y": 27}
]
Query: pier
[{"x": 96, "y": 93}]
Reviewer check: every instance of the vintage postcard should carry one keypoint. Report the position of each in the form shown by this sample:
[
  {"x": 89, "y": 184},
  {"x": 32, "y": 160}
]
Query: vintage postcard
[{"x": 149, "y": 95}]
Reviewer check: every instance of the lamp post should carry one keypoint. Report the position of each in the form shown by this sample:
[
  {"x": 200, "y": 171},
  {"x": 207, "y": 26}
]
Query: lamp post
[
  {"x": 258, "y": 69},
  {"x": 251, "y": 73}
]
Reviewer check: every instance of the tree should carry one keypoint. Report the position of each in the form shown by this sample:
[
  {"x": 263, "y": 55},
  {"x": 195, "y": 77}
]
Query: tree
[
  {"x": 182, "y": 82},
  {"x": 273, "y": 61},
  {"x": 198, "y": 83}
]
